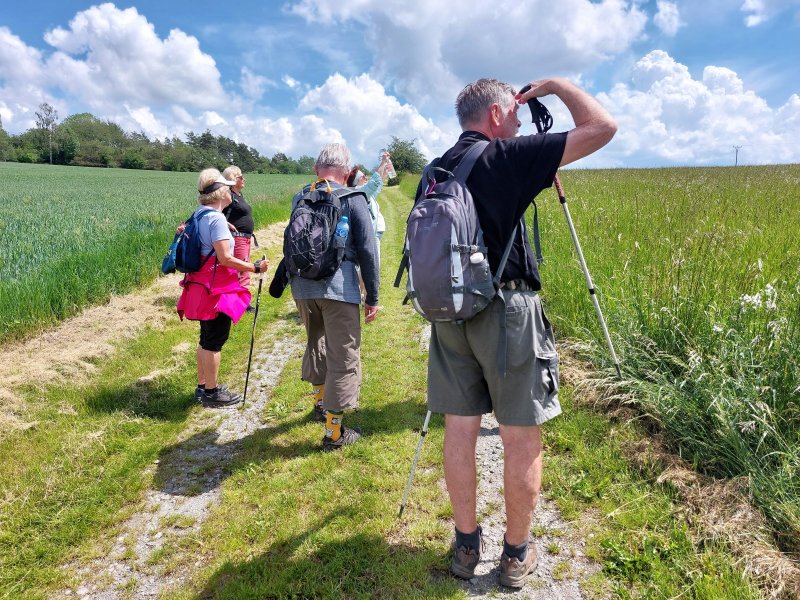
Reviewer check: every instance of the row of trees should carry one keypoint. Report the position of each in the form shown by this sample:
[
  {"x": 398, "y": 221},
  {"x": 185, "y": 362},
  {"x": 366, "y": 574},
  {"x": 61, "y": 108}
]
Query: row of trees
[{"x": 84, "y": 140}]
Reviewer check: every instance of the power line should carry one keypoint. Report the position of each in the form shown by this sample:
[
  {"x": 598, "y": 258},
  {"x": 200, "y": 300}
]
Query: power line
[{"x": 736, "y": 148}]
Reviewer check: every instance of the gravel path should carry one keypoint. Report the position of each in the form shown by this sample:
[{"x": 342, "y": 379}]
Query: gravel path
[
  {"x": 192, "y": 473},
  {"x": 562, "y": 562}
]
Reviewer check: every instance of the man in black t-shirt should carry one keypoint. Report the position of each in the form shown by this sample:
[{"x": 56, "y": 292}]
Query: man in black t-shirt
[{"x": 464, "y": 380}]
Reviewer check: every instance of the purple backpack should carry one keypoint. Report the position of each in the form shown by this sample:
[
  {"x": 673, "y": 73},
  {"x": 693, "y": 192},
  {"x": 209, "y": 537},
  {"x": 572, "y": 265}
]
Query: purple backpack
[{"x": 448, "y": 265}]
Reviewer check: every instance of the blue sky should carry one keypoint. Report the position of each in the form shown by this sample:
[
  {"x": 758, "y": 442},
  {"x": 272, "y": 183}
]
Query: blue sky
[{"x": 686, "y": 81}]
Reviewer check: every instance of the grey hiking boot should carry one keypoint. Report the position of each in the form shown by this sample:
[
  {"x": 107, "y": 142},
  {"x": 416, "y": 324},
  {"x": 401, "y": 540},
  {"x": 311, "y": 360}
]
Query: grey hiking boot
[
  {"x": 514, "y": 572},
  {"x": 318, "y": 414},
  {"x": 465, "y": 559},
  {"x": 221, "y": 398},
  {"x": 348, "y": 437}
]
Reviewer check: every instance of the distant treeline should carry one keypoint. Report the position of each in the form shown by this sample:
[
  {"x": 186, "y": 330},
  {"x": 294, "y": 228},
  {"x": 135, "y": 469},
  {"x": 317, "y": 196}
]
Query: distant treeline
[{"x": 85, "y": 140}]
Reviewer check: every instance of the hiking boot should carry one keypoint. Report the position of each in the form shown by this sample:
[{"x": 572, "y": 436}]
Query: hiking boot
[
  {"x": 318, "y": 414},
  {"x": 465, "y": 559},
  {"x": 221, "y": 398},
  {"x": 514, "y": 572},
  {"x": 348, "y": 437},
  {"x": 198, "y": 394}
]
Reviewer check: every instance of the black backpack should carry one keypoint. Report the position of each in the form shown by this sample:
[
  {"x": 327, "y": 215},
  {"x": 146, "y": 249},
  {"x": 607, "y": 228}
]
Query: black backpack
[
  {"x": 184, "y": 254},
  {"x": 308, "y": 241}
]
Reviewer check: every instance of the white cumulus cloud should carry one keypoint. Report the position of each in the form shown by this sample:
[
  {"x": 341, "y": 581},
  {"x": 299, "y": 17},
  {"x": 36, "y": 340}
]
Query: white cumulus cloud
[
  {"x": 668, "y": 18},
  {"x": 428, "y": 49},
  {"x": 758, "y": 11},
  {"x": 667, "y": 116},
  {"x": 108, "y": 56}
]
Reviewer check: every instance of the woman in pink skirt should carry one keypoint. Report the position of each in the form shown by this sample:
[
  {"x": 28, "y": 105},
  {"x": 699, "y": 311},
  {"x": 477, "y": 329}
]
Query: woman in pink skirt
[{"x": 213, "y": 295}]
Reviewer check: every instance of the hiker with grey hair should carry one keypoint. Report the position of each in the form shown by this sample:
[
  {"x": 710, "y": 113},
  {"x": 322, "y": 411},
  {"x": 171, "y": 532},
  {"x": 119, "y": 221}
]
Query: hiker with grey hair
[
  {"x": 329, "y": 305},
  {"x": 464, "y": 379}
]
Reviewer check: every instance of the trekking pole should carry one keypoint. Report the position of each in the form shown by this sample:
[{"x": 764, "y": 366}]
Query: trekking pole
[
  {"x": 544, "y": 121},
  {"x": 563, "y": 199},
  {"x": 253, "y": 334},
  {"x": 422, "y": 435}
]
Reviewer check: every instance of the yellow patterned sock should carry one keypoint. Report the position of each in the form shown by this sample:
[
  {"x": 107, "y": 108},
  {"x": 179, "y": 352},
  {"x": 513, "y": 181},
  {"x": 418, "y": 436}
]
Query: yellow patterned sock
[
  {"x": 333, "y": 425},
  {"x": 318, "y": 391}
]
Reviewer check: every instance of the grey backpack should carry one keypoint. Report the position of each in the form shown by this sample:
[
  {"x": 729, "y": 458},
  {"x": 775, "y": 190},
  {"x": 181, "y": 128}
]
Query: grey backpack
[{"x": 448, "y": 265}]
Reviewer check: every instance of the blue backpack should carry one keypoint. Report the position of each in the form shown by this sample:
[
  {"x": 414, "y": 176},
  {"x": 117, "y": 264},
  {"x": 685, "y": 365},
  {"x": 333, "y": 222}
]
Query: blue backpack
[{"x": 184, "y": 253}]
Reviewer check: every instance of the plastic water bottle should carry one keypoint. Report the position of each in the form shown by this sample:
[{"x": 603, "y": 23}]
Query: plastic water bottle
[
  {"x": 342, "y": 229},
  {"x": 390, "y": 173},
  {"x": 384, "y": 157}
]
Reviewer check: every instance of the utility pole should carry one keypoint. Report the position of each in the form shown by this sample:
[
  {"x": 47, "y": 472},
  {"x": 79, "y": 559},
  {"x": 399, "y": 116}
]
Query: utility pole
[{"x": 736, "y": 148}]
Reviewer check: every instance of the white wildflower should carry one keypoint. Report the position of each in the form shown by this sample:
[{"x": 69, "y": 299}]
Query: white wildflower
[
  {"x": 619, "y": 237},
  {"x": 717, "y": 328},
  {"x": 754, "y": 300},
  {"x": 760, "y": 265},
  {"x": 771, "y": 297},
  {"x": 695, "y": 360},
  {"x": 636, "y": 245},
  {"x": 775, "y": 327}
]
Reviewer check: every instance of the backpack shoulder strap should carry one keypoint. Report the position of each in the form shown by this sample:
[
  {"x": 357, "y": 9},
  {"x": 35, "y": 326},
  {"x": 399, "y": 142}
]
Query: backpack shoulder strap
[{"x": 464, "y": 167}]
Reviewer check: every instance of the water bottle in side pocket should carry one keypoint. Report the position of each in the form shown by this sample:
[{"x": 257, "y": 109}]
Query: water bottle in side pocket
[{"x": 342, "y": 230}]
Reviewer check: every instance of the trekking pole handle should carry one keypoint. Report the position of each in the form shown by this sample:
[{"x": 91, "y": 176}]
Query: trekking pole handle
[{"x": 262, "y": 271}]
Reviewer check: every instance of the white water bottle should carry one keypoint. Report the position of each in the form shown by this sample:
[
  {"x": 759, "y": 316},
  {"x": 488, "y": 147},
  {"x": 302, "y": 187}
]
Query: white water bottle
[
  {"x": 342, "y": 229},
  {"x": 390, "y": 173}
]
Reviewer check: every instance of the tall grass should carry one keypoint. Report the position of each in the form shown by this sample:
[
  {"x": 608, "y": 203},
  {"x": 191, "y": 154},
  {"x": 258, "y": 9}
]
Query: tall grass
[
  {"x": 698, "y": 272},
  {"x": 72, "y": 236}
]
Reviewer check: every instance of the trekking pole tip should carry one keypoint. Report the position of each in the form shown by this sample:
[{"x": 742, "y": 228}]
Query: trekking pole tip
[{"x": 400, "y": 514}]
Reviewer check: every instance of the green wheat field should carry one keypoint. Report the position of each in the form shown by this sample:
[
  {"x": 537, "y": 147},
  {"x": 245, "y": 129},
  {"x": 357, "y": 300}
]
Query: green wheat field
[{"x": 72, "y": 236}]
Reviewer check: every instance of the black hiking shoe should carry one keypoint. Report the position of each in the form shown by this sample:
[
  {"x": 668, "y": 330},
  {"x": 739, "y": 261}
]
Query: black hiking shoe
[
  {"x": 221, "y": 398},
  {"x": 198, "y": 394},
  {"x": 318, "y": 414},
  {"x": 514, "y": 572},
  {"x": 348, "y": 437},
  {"x": 466, "y": 558}
]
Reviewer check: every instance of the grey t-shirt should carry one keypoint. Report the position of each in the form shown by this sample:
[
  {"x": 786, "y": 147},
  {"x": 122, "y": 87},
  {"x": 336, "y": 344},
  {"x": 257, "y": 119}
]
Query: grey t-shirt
[{"x": 213, "y": 227}]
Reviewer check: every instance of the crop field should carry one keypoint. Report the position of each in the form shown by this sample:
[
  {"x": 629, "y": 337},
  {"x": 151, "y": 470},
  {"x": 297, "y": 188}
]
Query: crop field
[
  {"x": 72, "y": 236},
  {"x": 698, "y": 274}
]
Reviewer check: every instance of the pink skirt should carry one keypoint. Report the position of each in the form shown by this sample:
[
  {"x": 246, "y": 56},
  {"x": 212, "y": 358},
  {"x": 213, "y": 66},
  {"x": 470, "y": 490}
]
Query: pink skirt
[{"x": 212, "y": 290}]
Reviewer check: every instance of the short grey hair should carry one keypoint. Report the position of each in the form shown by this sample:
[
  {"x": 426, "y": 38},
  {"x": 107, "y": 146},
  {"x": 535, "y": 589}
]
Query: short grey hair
[
  {"x": 476, "y": 98},
  {"x": 231, "y": 173},
  {"x": 333, "y": 156}
]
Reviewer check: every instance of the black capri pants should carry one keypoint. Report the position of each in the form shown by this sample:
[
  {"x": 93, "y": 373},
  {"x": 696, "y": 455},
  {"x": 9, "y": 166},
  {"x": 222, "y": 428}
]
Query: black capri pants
[{"x": 214, "y": 333}]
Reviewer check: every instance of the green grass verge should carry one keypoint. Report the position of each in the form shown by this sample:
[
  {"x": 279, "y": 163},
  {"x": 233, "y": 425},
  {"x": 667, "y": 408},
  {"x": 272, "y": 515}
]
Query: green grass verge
[{"x": 697, "y": 273}]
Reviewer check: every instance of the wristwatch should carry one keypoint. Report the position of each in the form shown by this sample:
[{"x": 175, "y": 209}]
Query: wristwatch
[{"x": 257, "y": 266}]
